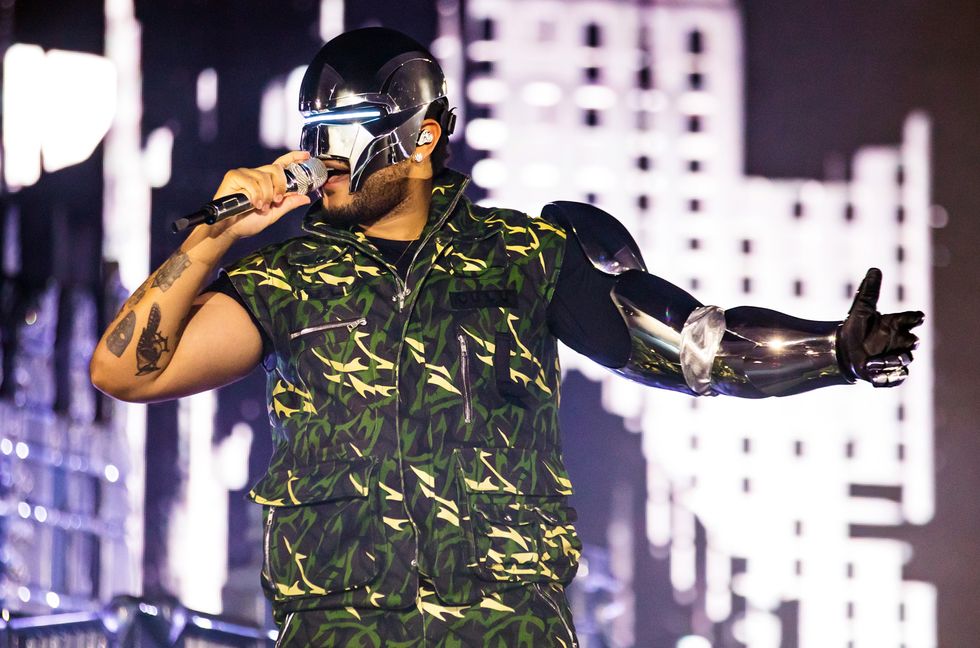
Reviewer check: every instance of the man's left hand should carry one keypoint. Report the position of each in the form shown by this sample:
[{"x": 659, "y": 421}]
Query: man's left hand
[{"x": 873, "y": 346}]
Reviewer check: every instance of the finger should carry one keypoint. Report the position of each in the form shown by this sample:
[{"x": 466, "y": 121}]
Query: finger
[
  {"x": 886, "y": 363},
  {"x": 891, "y": 378},
  {"x": 292, "y": 201},
  {"x": 910, "y": 319},
  {"x": 240, "y": 179},
  {"x": 265, "y": 191},
  {"x": 906, "y": 340},
  {"x": 866, "y": 299},
  {"x": 277, "y": 173},
  {"x": 292, "y": 157}
]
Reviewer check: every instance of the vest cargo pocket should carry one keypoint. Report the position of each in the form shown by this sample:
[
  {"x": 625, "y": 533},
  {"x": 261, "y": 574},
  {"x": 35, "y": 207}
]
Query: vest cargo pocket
[
  {"x": 519, "y": 527},
  {"x": 322, "y": 528}
]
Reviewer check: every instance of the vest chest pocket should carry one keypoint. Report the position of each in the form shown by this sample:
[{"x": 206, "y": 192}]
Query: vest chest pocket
[
  {"x": 323, "y": 350},
  {"x": 520, "y": 526},
  {"x": 322, "y": 528}
]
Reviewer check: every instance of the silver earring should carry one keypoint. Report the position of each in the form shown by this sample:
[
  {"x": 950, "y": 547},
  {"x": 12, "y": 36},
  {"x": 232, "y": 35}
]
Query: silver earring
[
  {"x": 417, "y": 157},
  {"x": 425, "y": 137}
]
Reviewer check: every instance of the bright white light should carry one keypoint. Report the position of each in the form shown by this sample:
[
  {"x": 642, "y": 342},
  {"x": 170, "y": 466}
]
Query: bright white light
[
  {"x": 85, "y": 85},
  {"x": 22, "y": 450},
  {"x": 157, "y": 156},
  {"x": 489, "y": 173},
  {"x": 52, "y": 599},
  {"x": 111, "y": 473},
  {"x": 24, "y": 510},
  {"x": 231, "y": 456},
  {"x": 23, "y": 594},
  {"x": 6, "y": 446},
  {"x": 486, "y": 90},
  {"x": 596, "y": 178},
  {"x": 201, "y": 622},
  {"x": 23, "y": 122},
  {"x": 272, "y": 120},
  {"x": 486, "y": 134},
  {"x": 541, "y": 175},
  {"x": 342, "y": 117},
  {"x": 541, "y": 93},
  {"x": 207, "y": 90},
  {"x": 693, "y": 641},
  {"x": 445, "y": 47},
  {"x": 595, "y": 97},
  {"x": 40, "y": 513},
  {"x": 331, "y": 18}
]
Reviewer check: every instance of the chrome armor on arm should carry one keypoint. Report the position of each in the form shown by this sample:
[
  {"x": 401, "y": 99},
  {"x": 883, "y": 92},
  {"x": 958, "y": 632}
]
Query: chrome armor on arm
[{"x": 679, "y": 344}]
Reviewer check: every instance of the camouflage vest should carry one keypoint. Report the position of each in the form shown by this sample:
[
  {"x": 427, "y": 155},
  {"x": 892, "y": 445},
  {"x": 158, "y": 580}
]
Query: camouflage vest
[{"x": 415, "y": 424}]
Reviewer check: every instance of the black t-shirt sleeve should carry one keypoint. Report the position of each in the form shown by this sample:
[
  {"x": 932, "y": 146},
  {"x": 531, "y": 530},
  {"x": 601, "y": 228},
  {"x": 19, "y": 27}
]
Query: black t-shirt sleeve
[
  {"x": 581, "y": 313},
  {"x": 224, "y": 286}
]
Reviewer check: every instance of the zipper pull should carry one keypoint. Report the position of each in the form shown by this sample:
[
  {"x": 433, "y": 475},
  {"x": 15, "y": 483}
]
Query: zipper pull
[{"x": 353, "y": 325}]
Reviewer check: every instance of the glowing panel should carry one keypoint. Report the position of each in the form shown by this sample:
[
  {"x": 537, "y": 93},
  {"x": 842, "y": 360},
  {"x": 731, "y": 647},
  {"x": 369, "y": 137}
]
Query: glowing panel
[{"x": 771, "y": 482}]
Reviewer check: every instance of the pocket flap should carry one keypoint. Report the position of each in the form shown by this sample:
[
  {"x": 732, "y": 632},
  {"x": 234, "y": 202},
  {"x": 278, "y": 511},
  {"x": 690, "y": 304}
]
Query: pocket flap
[
  {"x": 511, "y": 471},
  {"x": 322, "y": 482}
]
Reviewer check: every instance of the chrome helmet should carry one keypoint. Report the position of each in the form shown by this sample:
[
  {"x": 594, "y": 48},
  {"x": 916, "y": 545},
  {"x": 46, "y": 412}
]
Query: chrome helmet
[{"x": 364, "y": 97}]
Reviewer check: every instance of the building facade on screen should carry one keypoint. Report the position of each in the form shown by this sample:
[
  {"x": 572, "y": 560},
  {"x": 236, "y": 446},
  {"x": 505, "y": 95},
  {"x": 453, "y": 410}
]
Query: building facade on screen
[{"x": 638, "y": 108}]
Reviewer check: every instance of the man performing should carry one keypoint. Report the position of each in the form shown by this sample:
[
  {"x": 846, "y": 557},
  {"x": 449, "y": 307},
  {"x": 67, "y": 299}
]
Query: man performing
[{"x": 416, "y": 494}]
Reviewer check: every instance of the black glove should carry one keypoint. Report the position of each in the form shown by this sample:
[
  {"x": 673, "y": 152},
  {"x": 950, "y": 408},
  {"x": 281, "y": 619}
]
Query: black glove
[{"x": 872, "y": 346}]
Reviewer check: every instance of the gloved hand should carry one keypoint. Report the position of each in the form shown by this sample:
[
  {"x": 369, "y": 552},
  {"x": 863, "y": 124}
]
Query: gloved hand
[{"x": 872, "y": 346}]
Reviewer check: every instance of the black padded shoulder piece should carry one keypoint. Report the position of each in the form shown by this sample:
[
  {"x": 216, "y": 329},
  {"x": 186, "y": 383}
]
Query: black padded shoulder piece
[{"x": 606, "y": 243}]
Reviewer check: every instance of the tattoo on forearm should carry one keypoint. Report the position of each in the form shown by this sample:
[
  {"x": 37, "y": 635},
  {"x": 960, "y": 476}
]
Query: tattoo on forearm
[
  {"x": 137, "y": 294},
  {"x": 151, "y": 344},
  {"x": 122, "y": 335},
  {"x": 171, "y": 270}
]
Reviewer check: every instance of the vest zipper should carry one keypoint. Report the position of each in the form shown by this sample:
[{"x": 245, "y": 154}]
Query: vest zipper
[
  {"x": 464, "y": 368},
  {"x": 265, "y": 545},
  {"x": 350, "y": 324},
  {"x": 561, "y": 617}
]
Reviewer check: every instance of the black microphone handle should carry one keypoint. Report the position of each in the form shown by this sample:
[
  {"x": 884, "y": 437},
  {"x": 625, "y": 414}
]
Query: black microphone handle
[
  {"x": 222, "y": 208},
  {"x": 214, "y": 211}
]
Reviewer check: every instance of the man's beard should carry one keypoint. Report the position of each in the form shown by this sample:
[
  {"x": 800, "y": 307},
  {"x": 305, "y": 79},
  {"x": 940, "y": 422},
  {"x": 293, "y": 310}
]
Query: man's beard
[{"x": 380, "y": 194}]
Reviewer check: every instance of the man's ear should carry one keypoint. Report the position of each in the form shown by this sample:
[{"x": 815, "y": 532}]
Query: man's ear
[
  {"x": 420, "y": 164},
  {"x": 429, "y": 135}
]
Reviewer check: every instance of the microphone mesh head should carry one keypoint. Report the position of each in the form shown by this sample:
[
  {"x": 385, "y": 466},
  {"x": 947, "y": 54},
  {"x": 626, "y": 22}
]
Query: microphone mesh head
[{"x": 309, "y": 175}]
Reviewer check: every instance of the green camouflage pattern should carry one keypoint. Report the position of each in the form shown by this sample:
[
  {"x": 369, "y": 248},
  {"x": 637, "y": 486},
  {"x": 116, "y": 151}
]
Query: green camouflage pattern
[
  {"x": 415, "y": 430},
  {"x": 529, "y": 617}
]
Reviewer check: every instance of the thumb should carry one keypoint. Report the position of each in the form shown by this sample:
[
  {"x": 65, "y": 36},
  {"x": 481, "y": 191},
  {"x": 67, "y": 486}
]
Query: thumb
[{"x": 866, "y": 299}]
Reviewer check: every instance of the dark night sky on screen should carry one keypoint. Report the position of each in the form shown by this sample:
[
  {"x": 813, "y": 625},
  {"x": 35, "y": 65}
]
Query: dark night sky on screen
[{"x": 828, "y": 76}]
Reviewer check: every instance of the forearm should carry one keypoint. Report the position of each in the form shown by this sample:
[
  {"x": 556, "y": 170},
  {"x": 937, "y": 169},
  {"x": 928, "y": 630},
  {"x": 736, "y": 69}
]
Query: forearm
[
  {"x": 749, "y": 352},
  {"x": 139, "y": 343}
]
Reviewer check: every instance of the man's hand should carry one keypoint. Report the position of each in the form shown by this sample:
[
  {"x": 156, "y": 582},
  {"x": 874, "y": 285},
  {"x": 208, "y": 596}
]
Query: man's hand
[
  {"x": 872, "y": 346},
  {"x": 265, "y": 187}
]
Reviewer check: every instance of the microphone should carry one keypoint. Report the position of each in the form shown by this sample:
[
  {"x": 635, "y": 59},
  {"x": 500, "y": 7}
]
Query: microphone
[{"x": 301, "y": 177}]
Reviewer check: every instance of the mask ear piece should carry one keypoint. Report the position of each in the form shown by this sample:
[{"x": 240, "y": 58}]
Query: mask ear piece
[{"x": 425, "y": 137}]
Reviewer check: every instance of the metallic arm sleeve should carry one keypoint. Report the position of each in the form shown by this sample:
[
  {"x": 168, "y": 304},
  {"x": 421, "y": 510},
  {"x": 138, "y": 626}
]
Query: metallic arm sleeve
[
  {"x": 679, "y": 344},
  {"x": 748, "y": 352}
]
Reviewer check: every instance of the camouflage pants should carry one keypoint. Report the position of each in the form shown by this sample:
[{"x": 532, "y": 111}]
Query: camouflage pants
[{"x": 534, "y": 616}]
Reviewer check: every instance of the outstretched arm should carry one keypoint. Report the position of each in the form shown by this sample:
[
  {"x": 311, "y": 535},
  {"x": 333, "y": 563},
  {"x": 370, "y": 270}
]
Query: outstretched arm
[{"x": 677, "y": 343}]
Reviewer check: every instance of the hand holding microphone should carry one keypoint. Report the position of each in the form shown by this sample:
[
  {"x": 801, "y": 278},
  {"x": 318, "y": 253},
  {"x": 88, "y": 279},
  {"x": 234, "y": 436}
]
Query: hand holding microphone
[{"x": 269, "y": 191}]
